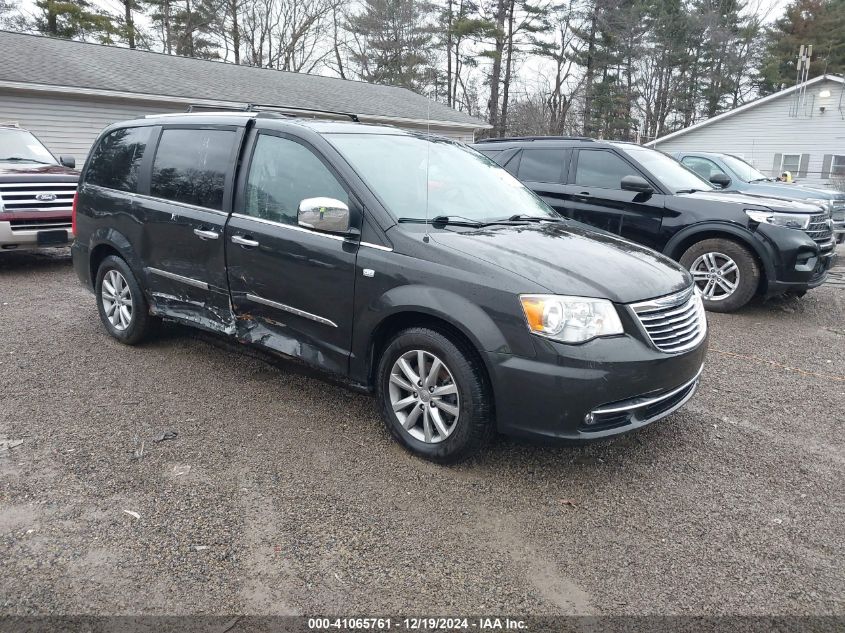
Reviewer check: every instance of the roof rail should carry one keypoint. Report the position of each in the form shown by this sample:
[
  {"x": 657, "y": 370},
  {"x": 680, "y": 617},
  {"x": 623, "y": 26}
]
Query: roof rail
[
  {"x": 9, "y": 124},
  {"x": 257, "y": 107},
  {"x": 535, "y": 138}
]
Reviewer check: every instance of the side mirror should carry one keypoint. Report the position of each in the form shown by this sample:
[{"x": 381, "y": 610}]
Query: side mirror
[
  {"x": 324, "y": 214},
  {"x": 636, "y": 183},
  {"x": 721, "y": 180},
  {"x": 68, "y": 161}
]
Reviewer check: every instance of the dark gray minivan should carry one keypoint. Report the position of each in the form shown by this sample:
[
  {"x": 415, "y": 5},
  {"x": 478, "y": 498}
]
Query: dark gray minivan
[{"x": 409, "y": 265}]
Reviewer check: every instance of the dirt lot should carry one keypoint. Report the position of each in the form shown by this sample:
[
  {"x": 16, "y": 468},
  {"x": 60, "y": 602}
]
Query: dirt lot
[{"x": 283, "y": 493}]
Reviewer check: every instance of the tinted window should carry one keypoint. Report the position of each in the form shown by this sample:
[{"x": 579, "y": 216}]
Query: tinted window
[
  {"x": 541, "y": 165},
  {"x": 282, "y": 174},
  {"x": 190, "y": 166},
  {"x": 602, "y": 169},
  {"x": 703, "y": 167},
  {"x": 117, "y": 159}
]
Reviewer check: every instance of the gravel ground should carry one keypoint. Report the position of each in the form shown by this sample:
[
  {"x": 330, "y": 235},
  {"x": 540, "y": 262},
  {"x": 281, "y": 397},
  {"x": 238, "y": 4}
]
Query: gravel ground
[{"x": 283, "y": 493}]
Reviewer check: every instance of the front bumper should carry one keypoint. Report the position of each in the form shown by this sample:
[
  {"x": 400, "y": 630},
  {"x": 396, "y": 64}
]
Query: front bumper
[
  {"x": 26, "y": 239},
  {"x": 797, "y": 263},
  {"x": 598, "y": 389}
]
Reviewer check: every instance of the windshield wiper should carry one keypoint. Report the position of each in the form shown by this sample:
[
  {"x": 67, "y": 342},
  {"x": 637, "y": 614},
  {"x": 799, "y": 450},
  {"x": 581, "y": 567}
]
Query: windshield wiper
[
  {"x": 688, "y": 190},
  {"x": 763, "y": 179},
  {"x": 19, "y": 159},
  {"x": 524, "y": 217},
  {"x": 454, "y": 220}
]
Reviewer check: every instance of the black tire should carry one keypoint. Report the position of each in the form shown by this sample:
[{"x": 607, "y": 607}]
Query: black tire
[
  {"x": 474, "y": 424},
  {"x": 747, "y": 265},
  {"x": 140, "y": 324}
]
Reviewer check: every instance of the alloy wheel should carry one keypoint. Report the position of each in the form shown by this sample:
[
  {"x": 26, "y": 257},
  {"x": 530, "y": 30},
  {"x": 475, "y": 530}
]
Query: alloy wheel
[
  {"x": 424, "y": 396},
  {"x": 117, "y": 300},
  {"x": 716, "y": 275}
]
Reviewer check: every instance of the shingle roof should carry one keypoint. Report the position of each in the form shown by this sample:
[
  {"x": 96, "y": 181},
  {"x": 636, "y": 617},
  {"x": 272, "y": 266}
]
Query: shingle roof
[{"x": 56, "y": 62}]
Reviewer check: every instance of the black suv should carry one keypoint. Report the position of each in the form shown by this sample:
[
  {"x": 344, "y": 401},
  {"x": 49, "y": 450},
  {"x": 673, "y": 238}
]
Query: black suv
[
  {"x": 409, "y": 265},
  {"x": 736, "y": 245}
]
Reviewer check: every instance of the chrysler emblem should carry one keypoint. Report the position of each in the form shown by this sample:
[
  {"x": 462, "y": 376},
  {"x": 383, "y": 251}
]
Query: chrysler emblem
[{"x": 45, "y": 197}]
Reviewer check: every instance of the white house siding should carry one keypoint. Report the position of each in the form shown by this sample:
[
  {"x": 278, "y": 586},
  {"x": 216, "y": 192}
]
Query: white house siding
[
  {"x": 70, "y": 125},
  {"x": 761, "y": 134}
]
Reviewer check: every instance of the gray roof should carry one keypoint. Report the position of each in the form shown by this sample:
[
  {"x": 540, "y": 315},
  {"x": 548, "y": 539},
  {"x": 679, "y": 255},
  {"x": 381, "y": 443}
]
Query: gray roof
[{"x": 49, "y": 61}]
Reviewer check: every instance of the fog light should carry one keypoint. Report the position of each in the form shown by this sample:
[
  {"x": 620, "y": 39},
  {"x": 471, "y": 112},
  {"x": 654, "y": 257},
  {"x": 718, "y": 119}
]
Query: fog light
[{"x": 589, "y": 418}]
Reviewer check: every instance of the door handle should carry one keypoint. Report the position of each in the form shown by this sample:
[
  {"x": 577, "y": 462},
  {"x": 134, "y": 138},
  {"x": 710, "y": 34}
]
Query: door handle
[
  {"x": 205, "y": 234},
  {"x": 244, "y": 241}
]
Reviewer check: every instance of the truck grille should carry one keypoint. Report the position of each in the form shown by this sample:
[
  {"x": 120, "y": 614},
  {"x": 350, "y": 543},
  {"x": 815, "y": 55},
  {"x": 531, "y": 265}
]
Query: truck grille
[
  {"x": 820, "y": 229},
  {"x": 675, "y": 323},
  {"x": 37, "y": 196},
  {"x": 40, "y": 224}
]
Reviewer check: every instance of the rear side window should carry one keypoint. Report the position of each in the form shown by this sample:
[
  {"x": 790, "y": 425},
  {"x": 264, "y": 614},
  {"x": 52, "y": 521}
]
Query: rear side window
[
  {"x": 190, "y": 166},
  {"x": 117, "y": 159},
  {"x": 541, "y": 165},
  {"x": 281, "y": 175},
  {"x": 602, "y": 169}
]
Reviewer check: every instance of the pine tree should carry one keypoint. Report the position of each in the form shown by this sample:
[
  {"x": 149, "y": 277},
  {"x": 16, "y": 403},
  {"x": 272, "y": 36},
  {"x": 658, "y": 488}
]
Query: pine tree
[
  {"x": 396, "y": 37},
  {"x": 74, "y": 19},
  {"x": 817, "y": 22}
]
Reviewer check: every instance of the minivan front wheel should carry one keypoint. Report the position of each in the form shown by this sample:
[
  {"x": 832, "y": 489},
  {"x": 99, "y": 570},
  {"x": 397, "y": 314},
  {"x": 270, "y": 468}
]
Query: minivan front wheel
[
  {"x": 726, "y": 273},
  {"x": 433, "y": 395},
  {"x": 120, "y": 301}
]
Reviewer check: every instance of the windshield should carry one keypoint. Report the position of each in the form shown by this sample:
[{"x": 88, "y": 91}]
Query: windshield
[
  {"x": 461, "y": 182},
  {"x": 674, "y": 176},
  {"x": 21, "y": 146},
  {"x": 743, "y": 170}
]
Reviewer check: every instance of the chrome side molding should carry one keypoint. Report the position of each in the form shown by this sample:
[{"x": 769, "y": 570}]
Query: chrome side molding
[
  {"x": 196, "y": 283},
  {"x": 291, "y": 310}
]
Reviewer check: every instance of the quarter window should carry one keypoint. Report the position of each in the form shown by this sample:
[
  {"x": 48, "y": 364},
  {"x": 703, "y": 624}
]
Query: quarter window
[
  {"x": 117, "y": 159},
  {"x": 791, "y": 163},
  {"x": 602, "y": 169},
  {"x": 190, "y": 166},
  {"x": 541, "y": 165},
  {"x": 282, "y": 174}
]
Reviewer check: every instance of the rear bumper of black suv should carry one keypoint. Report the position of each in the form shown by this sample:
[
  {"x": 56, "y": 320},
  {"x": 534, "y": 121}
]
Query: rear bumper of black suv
[{"x": 590, "y": 391}]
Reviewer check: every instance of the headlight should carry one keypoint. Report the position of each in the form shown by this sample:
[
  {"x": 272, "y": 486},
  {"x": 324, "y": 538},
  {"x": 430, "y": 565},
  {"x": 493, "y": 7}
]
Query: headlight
[
  {"x": 789, "y": 220},
  {"x": 570, "y": 319}
]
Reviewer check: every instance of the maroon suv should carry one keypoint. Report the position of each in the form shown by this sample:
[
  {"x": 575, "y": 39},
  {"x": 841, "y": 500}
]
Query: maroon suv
[{"x": 36, "y": 192}]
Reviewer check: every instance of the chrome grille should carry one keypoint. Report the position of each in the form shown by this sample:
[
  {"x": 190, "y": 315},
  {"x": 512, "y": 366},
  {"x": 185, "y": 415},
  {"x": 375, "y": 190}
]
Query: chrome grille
[
  {"x": 37, "y": 196},
  {"x": 675, "y": 323},
  {"x": 820, "y": 229},
  {"x": 40, "y": 224}
]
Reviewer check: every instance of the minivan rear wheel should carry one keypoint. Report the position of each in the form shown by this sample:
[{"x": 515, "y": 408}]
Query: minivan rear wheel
[
  {"x": 726, "y": 273},
  {"x": 121, "y": 303},
  {"x": 433, "y": 395}
]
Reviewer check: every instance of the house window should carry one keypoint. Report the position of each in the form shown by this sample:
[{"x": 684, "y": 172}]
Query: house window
[
  {"x": 837, "y": 167},
  {"x": 791, "y": 163}
]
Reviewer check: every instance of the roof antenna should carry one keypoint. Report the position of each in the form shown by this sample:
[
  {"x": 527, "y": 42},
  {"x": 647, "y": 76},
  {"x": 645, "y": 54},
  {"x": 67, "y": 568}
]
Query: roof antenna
[{"x": 427, "y": 163}]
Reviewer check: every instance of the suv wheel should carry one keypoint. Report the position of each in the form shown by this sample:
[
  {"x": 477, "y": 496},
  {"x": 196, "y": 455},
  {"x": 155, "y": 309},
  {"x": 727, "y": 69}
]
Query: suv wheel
[
  {"x": 726, "y": 273},
  {"x": 433, "y": 395},
  {"x": 121, "y": 303}
]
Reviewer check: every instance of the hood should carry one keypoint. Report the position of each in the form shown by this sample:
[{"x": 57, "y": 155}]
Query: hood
[
  {"x": 17, "y": 172},
  {"x": 792, "y": 192},
  {"x": 754, "y": 201},
  {"x": 570, "y": 260}
]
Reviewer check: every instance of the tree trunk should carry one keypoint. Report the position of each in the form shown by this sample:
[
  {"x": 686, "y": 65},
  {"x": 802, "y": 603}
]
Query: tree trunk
[
  {"x": 503, "y": 120},
  {"x": 130, "y": 24},
  {"x": 589, "y": 74},
  {"x": 449, "y": 19},
  {"x": 236, "y": 31},
  {"x": 496, "y": 75}
]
